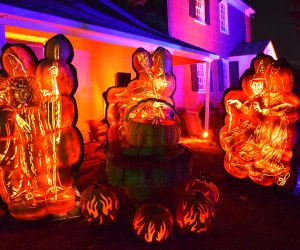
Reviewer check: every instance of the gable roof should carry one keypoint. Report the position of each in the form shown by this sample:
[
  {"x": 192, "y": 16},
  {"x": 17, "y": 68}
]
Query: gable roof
[
  {"x": 249, "y": 48},
  {"x": 96, "y": 16}
]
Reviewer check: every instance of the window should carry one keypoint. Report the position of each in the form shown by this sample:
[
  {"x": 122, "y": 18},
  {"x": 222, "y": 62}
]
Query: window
[
  {"x": 198, "y": 73},
  {"x": 223, "y": 17},
  {"x": 199, "y": 10},
  {"x": 223, "y": 74}
]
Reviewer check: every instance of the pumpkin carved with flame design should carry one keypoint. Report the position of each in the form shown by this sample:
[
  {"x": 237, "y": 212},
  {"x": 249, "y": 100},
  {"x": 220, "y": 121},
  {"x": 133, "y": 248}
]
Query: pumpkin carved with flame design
[
  {"x": 194, "y": 215},
  {"x": 99, "y": 205},
  {"x": 152, "y": 223}
]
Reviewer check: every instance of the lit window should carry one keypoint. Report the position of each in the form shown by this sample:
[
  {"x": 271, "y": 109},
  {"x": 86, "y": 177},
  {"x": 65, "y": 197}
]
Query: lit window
[
  {"x": 223, "y": 17},
  {"x": 198, "y": 73},
  {"x": 200, "y": 11}
]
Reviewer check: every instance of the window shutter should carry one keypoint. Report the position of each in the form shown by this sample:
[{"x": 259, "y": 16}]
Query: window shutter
[
  {"x": 234, "y": 74},
  {"x": 194, "y": 77},
  {"x": 192, "y": 9},
  {"x": 211, "y": 81},
  {"x": 207, "y": 13},
  {"x": 221, "y": 75}
]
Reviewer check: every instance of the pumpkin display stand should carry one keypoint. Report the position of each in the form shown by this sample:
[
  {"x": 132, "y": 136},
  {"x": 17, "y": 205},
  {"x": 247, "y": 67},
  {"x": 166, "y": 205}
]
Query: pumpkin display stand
[
  {"x": 153, "y": 158},
  {"x": 141, "y": 177}
]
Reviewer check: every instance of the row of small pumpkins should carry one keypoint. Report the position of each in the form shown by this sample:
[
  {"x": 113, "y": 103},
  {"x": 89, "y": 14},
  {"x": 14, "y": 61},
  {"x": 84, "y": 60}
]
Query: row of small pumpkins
[{"x": 153, "y": 222}]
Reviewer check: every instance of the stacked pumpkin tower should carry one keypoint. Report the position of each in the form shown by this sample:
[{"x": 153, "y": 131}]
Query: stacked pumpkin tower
[
  {"x": 39, "y": 142},
  {"x": 145, "y": 162}
]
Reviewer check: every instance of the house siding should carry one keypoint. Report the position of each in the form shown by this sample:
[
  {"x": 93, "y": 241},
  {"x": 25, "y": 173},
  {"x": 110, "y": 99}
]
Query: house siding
[
  {"x": 209, "y": 38},
  {"x": 99, "y": 54}
]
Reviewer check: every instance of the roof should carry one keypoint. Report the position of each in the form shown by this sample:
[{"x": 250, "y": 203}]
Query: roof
[
  {"x": 99, "y": 13},
  {"x": 249, "y": 48}
]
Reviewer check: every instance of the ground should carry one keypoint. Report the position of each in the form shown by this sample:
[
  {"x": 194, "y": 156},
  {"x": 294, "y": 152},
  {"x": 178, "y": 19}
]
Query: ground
[{"x": 248, "y": 216}]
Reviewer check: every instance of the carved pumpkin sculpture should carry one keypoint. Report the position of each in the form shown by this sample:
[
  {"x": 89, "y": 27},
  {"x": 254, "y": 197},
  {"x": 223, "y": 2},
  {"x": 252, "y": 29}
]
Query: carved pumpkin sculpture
[
  {"x": 152, "y": 223},
  {"x": 39, "y": 141},
  {"x": 99, "y": 205},
  {"x": 259, "y": 130},
  {"x": 206, "y": 187},
  {"x": 154, "y": 80},
  {"x": 194, "y": 215}
]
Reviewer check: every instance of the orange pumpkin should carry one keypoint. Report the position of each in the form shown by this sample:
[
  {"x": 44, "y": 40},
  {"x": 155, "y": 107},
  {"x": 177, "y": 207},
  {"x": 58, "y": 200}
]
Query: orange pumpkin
[
  {"x": 63, "y": 108},
  {"x": 18, "y": 60},
  {"x": 194, "y": 215},
  {"x": 152, "y": 223},
  {"x": 207, "y": 188},
  {"x": 154, "y": 131},
  {"x": 99, "y": 205},
  {"x": 65, "y": 78},
  {"x": 141, "y": 133},
  {"x": 61, "y": 46}
]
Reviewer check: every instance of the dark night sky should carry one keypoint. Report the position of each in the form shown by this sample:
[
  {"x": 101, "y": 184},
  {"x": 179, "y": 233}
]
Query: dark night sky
[{"x": 273, "y": 19}]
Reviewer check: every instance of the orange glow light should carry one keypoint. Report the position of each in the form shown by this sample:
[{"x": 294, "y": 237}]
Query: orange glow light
[
  {"x": 24, "y": 37},
  {"x": 205, "y": 134}
]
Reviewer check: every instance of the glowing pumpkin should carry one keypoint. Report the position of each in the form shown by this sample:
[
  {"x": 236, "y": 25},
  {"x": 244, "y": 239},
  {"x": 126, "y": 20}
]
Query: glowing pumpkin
[
  {"x": 18, "y": 60},
  {"x": 207, "y": 188},
  {"x": 65, "y": 79},
  {"x": 194, "y": 215},
  {"x": 99, "y": 205},
  {"x": 152, "y": 223}
]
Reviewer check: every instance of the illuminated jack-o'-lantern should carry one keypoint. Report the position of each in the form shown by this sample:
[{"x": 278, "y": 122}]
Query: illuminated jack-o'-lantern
[
  {"x": 194, "y": 215},
  {"x": 39, "y": 143},
  {"x": 99, "y": 205},
  {"x": 206, "y": 187},
  {"x": 152, "y": 223},
  {"x": 259, "y": 130}
]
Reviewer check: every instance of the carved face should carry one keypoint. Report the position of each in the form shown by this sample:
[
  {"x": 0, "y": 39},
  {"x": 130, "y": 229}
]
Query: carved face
[
  {"x": 144, "y": 60},
  {"x": 21, "y": 89},
  {"x": 257, "y": 86}
]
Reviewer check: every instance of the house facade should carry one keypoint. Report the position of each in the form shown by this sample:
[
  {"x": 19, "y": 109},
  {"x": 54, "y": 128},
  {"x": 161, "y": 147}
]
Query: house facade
[
  {"x": 201, "y": 37},
  {"x": 220, "y": 27}
]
